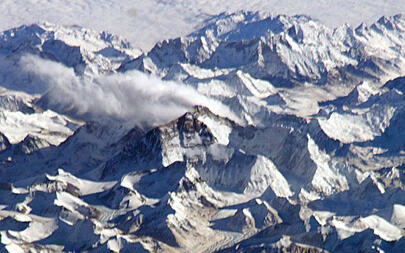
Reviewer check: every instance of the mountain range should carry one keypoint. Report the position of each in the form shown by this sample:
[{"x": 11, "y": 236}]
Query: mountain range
[{"x": 253, "y": 133}]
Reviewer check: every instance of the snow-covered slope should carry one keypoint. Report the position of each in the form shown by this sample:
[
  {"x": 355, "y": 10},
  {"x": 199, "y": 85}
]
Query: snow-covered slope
[
  {"x": 295, "y": 141},
  {"x": 86, "y": 51},
  {"x": 147, "y": 22},
  {"x": 284, "y": 49},
  {"x": 255, "y": 55}
]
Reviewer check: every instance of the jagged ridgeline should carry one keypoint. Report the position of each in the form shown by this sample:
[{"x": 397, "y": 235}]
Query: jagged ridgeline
[{"x": 254, "y": 133}]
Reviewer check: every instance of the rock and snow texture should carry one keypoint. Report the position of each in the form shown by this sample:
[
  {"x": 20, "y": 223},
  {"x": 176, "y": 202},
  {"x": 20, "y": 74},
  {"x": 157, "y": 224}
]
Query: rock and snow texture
[
  {"x": 289, "y": 137},
  {"x": 147, "y": 22}
]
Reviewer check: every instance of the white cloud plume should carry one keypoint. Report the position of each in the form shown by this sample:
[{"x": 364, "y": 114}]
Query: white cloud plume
[{"x": 133, "y": 96}]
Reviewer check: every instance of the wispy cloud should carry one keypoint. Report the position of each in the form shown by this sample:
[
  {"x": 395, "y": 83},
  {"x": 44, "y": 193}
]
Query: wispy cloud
[{"x": 138, "y": 98}]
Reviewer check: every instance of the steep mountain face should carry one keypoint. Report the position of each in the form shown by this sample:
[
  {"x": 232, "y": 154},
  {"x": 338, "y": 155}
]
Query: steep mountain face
[
  {"x": 313, "y": 162},
  {"x": 86, "y": 51},
  {"x": 265, "y": 54},
  {"x": 287, "y": 51}
]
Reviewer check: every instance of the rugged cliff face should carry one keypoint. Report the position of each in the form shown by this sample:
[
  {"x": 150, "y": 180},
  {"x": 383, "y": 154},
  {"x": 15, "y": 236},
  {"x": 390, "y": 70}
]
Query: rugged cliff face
[{"x": 309, "y": 158}]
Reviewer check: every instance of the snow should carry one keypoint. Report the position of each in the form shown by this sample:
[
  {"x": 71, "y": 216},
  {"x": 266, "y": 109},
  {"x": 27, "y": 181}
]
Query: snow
[
  {"x": 85, "y": 187},
  {"x": 264, "y": 174},
  {"x": 398, "y": 216},
  {"x": 16, "y": 125},
  {"x": 220, "y": 131},
  {"x": 141, "y": 22},
  {"x": 349, "y": 128},
  {"x": 328, "y": 177},
  {"x": 39, "y": 227},
  {"x": 256, "y": 87},
  {"x": 382, "y": 228},
  {"x": 323, "y": 153},
  {"x": 75, "y": 205}
]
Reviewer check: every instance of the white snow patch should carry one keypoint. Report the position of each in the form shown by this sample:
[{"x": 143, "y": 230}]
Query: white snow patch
[
  {"x": 348, "y": 128},
  {"x": 328, "y": 179},
  {"x": 39, "y": 228},
  {"x": 16, "y": 125},
  {"x": 265, "y": 174},
  {"x": 398, "y": 216},
  {"x": 382, "y": 228},
  {"x": 220, "y": 131},
  {"x": 85, "y": 187}
]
